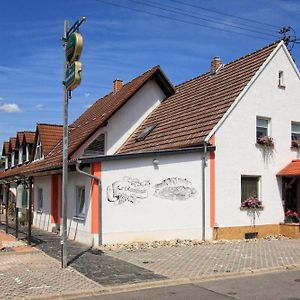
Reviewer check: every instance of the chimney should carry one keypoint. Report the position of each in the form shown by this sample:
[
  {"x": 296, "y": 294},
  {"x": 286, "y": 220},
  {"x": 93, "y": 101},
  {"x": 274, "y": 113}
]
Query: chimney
[
  {"x": 215, "y": 64},
  {"x": 118, "y": 84}
]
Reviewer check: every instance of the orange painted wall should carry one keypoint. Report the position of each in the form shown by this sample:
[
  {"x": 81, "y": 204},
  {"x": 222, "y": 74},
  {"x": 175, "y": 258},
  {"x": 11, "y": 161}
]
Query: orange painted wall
[
  {"x": 60, "y": 198},
  {"x": 96, "y": 170},
  {"x": 212, "y": 178},
  {"x": 54, "y": 199}
]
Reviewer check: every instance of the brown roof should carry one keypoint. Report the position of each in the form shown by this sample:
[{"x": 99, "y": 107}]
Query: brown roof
[
  {"x": 12, "y": 143},
  {"x": 292, "y": 169},
  {"x": 186, "y": 118},
  {"x": 29, "y": 137},
  {"x": 98, "y": 114},
  {"x": 5, "y": 148},
  {"x": 20, "y": 136},
  {"x": 50, "y": 135},
  {"x": 93, "y": 118}
]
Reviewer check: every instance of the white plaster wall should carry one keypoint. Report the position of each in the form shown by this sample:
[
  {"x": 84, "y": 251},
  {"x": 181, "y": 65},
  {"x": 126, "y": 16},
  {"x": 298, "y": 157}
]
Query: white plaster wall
[
  {"x": 42, "y": 219},
  {"x": 238, "y": 155},
  {"x": 79, "y": 230},
  {"x": 153, "y": 218},
  {"x": 122, "y": 124}
]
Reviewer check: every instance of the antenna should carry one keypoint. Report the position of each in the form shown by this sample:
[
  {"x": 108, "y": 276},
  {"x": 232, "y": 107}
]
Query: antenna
[{"x": 289, "y": 37}]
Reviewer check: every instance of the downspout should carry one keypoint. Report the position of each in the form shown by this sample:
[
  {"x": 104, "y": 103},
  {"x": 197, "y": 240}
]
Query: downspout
[
  {"x": 204, "y": 164},
  {"x": 77, "y": 165}
]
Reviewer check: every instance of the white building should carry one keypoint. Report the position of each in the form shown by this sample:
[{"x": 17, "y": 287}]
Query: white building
[{"x": 180, "y": 162}]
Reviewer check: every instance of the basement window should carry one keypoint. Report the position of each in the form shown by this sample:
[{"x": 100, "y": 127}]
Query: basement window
[{"x": 145, "y": 132}]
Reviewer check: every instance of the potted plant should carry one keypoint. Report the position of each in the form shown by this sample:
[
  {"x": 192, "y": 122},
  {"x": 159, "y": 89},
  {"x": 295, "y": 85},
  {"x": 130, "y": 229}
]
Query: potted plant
[
  {"x": 296, "y": 144},
  {"x": 252, "y": 203},
  {"x": 265, "y": 141},
  {"x": 291, "y": 217}
]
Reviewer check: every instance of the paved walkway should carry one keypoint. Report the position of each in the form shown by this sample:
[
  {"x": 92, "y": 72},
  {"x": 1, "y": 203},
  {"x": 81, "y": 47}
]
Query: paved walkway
[
  {"x": 203, "y": 261},
  {"x": 119, "y": 269}
]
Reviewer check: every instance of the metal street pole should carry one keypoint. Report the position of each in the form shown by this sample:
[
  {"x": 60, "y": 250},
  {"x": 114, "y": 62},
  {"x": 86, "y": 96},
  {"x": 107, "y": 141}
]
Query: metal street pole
[{"x": 65, "y": 163}]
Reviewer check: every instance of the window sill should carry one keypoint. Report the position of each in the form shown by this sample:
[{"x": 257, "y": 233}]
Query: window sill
[
  {"x": 265, "y": 146},
  {"x": 79, "y": 218},
  {"x": 249, "y": 208}
]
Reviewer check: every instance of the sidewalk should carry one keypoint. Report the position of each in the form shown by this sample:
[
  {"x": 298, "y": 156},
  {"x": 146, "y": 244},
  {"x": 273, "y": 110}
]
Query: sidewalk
[{"x": 119, "y": 269}]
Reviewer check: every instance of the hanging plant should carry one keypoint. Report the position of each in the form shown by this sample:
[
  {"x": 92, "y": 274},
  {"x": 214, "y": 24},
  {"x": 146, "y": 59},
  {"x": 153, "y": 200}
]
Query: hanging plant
[{"x": 266, "y": 141}]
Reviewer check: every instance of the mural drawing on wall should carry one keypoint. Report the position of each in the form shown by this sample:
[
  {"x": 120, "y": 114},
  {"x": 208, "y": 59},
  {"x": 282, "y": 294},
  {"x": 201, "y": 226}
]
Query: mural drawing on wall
[
  {"x": 128, "y": 189},
  {"x": 175, "y": 188}
]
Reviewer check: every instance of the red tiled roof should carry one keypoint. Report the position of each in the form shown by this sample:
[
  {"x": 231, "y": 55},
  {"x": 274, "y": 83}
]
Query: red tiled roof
[
  {"x": 50, "y": 135},
  {"x": 186, "y": 118},
  {"x": 96, "y": 116},
  {"x": 12, "y": 143},
  {"x": 29, "y": 136},
  {"x": 20, "y": 136},
  {"x": 292, "y": 169},
  {"x": 5, "y": 148}
]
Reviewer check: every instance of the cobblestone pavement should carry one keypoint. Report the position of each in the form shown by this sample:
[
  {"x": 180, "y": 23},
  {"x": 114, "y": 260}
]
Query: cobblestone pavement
[
  {"x": 214, "y": 259},
  {"x": 96, "y": 265},
  {"x": 38, "y": 275}
]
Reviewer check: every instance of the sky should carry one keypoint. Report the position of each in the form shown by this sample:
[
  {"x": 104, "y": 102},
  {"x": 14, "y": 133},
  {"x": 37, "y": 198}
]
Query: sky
[{"x": 182, "y": 36}]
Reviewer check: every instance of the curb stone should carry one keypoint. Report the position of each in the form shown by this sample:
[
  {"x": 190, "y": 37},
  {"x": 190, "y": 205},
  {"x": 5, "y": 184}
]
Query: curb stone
[{"x": 163, "y": 283}]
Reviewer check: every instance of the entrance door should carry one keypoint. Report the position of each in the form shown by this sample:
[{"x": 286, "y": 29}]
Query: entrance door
[{"x": 291, "y": 189}]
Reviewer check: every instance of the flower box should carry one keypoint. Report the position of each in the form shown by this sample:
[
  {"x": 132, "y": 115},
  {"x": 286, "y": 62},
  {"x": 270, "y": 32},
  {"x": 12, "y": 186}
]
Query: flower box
[
  {"x": 265, "y": 141},
  {"x": 295, "y": 144},
  {"x": 251, "y": 203}
]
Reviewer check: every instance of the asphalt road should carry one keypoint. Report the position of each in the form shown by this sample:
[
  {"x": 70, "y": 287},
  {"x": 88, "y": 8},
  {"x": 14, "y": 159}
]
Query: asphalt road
[{"x": 280, "y": 285}]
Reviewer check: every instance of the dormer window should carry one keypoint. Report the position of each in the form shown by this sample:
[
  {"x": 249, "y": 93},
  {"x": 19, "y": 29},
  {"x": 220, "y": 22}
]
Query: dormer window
[
  {"x": 27, "y": 153},
  {"x": 20, "y": 155},
  {"x": 6, "y": 162},
  {"x": 38, "y": 150},
  {"x": 12, "y": 159}
]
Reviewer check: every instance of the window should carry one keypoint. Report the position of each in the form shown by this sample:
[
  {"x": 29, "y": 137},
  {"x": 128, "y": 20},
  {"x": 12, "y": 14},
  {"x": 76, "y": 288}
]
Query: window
[
  {"x": 38, "y": 150},
  {"x": 262, "y": 127},
  {"x": 6, "y": 162},
  {"x": 12, "y": 159},
  {"x": 40, "y": 200},
  {"x": 281, "y": 79},
  {"x": 295, "y": 134},
  {"x": 20, "y": 155},
  {"x": 145, "y": 132},
  {"x": 249, "y": 187},
  {"x": 27, "y": 153},
  {"x": 80, "y": 201}
]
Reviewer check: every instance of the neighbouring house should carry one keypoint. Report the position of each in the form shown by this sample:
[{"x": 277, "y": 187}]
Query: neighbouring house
[{"x": 214, "y": 157}]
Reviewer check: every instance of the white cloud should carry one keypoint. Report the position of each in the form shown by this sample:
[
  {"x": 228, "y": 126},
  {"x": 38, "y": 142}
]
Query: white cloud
[
  {"x": 10, "y": 107},
  {"x": 39, "y": 106},
  {"x": 86, "y": 95}
]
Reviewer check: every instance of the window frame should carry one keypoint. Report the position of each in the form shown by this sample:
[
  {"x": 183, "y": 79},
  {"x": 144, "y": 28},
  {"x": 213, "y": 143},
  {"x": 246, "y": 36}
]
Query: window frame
[
  {"x": 281, "y": 81},
  {"x": 38, "y": 150},
  {"x": 258, "y": 186},
  {"x": 80, "y": 214},
  {"x": 20, "y": 162},
  {"x": 293, "y": 123},
  {"x": 268, "y": 128},
  {"x": 40, "y": 200}
]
